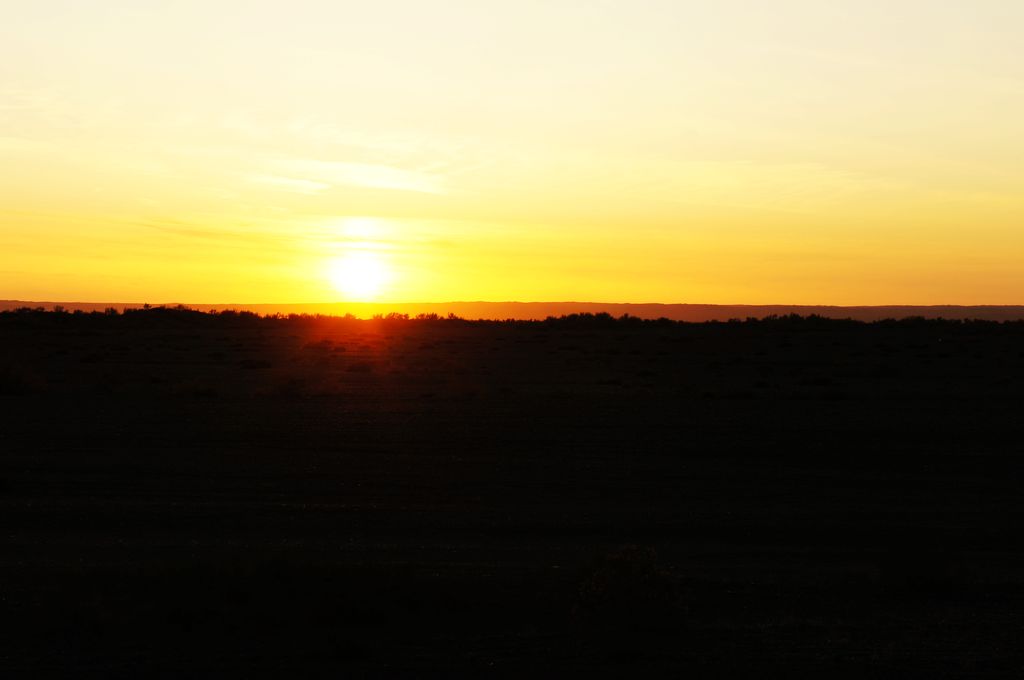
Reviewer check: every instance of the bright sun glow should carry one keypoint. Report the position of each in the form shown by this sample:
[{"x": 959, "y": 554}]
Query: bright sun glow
[
  {"x": 359, "y": 227},
  {"x": 849, "y": 152},
  {"x": 359, "y": 275}
]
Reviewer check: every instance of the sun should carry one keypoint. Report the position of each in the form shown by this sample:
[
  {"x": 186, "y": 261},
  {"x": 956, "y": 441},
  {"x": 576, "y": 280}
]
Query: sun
[{"x": 359, "y": 275}]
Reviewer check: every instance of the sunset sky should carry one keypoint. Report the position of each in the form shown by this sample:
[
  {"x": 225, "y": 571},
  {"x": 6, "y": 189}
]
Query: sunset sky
[{"x": 795, "y": 151}]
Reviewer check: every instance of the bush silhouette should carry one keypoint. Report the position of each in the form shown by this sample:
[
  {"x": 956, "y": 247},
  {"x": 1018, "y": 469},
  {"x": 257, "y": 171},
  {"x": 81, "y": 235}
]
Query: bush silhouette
[
  {"x": 628, "y": 604},
  {"x": 16, "y": 382},
  {"x": 921, "y": 573}
]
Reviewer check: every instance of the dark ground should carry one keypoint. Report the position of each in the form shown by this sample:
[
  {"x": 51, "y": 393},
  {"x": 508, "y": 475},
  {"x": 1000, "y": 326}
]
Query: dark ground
[{"x": 188, "y": 495}]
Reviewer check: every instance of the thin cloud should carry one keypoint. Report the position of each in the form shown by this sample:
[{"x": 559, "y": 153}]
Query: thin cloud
[
  {"x": 299, "y": 186},
  {"x": 371, "y": 176}
]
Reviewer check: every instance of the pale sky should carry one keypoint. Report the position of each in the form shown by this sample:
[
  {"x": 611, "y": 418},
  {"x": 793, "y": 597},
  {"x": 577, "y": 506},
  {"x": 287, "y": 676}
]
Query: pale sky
[{"x": 719, "y": 152}]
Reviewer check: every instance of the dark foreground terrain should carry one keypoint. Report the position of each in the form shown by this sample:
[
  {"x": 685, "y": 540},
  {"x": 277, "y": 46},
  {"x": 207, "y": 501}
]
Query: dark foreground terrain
[{"x": 195, "y": 495}]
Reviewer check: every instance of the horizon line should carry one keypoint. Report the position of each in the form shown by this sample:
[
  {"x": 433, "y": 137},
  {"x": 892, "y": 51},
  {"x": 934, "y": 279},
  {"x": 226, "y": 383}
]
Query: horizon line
[{"x": 228, "y": 305}]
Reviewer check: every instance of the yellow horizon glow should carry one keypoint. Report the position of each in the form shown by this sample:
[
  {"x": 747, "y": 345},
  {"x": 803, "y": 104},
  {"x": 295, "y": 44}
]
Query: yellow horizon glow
[{"x": 795, "y": 152}]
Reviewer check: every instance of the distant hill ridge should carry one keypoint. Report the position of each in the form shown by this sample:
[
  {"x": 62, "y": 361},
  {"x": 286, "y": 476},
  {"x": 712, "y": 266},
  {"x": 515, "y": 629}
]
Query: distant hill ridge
[{"x": 541, "y": 310}]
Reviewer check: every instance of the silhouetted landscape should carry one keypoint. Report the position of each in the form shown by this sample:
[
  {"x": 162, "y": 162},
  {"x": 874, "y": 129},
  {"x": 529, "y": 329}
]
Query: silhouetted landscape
[
  {"x": 536, "y": 311},
  {"x": 195, "y": 494}
]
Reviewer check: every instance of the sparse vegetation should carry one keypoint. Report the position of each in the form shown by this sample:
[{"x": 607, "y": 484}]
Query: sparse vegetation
[
  {"x": 315, "y": 493},
  {"x": 629, "y": 600},
  {"x": 19, "y": 381}
]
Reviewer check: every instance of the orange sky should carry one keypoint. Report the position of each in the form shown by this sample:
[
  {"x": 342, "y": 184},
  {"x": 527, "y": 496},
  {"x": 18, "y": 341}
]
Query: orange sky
[{"x": 649, "y": 151}]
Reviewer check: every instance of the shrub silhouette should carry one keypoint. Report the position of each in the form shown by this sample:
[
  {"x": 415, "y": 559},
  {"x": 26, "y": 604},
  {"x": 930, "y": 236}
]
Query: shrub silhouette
[
  {"x": 254, "y": 364},
  {"x": 17, "y": 382},
  {"x": 628, "y": 604},
  {"x": 916, "y": 573}
]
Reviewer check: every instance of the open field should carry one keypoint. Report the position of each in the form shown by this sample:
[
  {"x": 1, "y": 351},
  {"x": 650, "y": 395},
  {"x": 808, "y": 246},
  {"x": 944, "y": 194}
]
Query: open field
[
  {"x": 185, "y": 494},
  {"x": 536, "y": 311}
]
